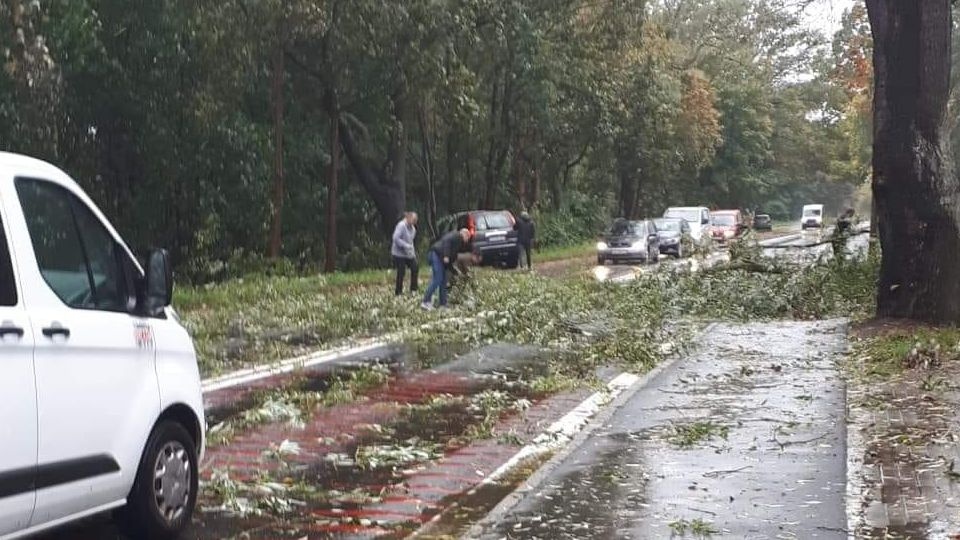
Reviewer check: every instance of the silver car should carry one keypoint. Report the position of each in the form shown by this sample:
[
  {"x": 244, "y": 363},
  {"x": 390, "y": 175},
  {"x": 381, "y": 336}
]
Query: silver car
[{"x": 630, "y": 241}]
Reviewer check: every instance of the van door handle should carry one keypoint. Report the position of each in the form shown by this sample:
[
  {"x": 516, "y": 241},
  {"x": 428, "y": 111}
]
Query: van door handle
[
  {"x": 56, "y": 331},
  {"x": 7, "y": 330}
]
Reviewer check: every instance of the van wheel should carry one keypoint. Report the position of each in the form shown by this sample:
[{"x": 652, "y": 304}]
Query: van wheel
[{"x": 164, "y": 493}]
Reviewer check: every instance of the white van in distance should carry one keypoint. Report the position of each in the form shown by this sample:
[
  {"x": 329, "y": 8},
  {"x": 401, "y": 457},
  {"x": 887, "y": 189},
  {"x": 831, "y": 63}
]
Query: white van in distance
[
  {"x": 100, "y": 402},
  {"x": 812, "y": 217},
  {"x": 698, "y": 217}
]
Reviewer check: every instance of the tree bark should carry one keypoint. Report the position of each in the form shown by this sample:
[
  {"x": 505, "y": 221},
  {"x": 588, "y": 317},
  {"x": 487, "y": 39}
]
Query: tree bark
[
  {"x": 385, "y": 186},
  {"x": 330, "y": 260},
  {"x": 279, "y": 191},
  {"x": 915, "y": 189},
  {"x": 429, "y": 169}
]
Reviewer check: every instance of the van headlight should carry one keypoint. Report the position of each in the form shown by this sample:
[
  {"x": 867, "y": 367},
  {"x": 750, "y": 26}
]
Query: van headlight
[{"x": 601, "y": 246}]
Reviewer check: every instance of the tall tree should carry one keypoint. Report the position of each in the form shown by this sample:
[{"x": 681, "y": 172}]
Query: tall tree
[
  {"x": 916, "y": 192},
  {"x": 278, "y": 74}
]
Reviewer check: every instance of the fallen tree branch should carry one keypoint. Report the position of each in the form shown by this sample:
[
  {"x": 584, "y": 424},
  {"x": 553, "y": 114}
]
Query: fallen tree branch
[
  {"x": 718, "y": 474},
  {"x": 747, "y": 266}
]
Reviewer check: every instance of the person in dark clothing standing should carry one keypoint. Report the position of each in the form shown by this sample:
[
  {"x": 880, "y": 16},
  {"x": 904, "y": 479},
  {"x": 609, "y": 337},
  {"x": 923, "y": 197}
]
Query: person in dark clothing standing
[
  {"x": 404, "y": 252},
  {"x": 526, "y": 232},
  {"x": 443, "y": 253}
]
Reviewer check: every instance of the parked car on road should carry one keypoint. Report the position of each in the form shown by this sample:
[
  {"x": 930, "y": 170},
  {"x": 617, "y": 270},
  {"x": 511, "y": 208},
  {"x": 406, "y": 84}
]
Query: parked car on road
[
  {"x": 812, "y": 217},
  {"x": 100, "y": 401},
  {"x": 698, "y": 217},
  {"x": 494, "y": 238},
  {"x": 762, "y": 222},
  {"x": 630, "y": 241},
  {"x": 726, "y": 225},
  {"x": 674, "y": 236}
]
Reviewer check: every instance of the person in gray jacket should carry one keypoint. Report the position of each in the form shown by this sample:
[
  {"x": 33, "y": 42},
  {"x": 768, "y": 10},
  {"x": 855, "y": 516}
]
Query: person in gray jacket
[{"x": 404, "y": 251}]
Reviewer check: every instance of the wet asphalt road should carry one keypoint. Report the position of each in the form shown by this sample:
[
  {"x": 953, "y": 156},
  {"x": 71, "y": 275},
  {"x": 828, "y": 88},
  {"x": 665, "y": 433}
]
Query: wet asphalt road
[{"x": 773, "y": 390}]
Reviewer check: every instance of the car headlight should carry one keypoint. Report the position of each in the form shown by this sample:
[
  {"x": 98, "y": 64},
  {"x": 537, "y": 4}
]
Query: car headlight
[
  {"x": 728, "y": 234},
  {"x": 601, "y": 246},
  {"x": 639, "y": 244},
  {"x": 669, "y": 241}
]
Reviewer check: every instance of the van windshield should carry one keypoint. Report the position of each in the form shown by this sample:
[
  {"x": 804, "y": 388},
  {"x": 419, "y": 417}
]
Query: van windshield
[{"x": 690, "y": 215}]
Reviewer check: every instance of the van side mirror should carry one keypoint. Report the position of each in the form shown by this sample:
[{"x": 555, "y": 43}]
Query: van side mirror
[{"x": 159, "y": 282}]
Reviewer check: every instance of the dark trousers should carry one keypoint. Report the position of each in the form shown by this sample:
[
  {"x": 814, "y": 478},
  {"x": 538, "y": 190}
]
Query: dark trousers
[
  {"x": 401, "y": 264},
  {"x": 527, "y": 250}
]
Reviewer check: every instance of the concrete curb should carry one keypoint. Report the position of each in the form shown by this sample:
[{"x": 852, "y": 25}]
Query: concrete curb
[{"x": 601, "y": 417}]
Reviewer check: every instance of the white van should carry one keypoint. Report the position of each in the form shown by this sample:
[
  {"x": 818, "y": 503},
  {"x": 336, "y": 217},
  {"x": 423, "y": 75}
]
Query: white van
[
  {"x": 812, "y": 216},
  {"x": 698, "y": 217},
  {"x": 100, "y": 402}
]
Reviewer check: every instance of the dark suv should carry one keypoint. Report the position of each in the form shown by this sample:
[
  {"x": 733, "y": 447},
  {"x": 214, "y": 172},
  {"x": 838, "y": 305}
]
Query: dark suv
[{"x": 494, "y": 238}]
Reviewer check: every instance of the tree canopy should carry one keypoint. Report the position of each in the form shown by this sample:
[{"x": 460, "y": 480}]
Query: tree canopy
[{"x": 207, "y": 126}]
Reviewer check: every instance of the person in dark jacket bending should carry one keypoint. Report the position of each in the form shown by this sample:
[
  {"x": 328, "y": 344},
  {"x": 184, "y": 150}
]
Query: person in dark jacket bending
[
  {"x": 442, "y": 254},
  {"x": 526, "y": 232}
]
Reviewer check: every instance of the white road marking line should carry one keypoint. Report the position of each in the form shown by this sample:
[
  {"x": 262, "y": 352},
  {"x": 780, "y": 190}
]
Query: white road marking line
[
  {"x": 249, "y": 375},
  {"x": 560, "y": 432}
]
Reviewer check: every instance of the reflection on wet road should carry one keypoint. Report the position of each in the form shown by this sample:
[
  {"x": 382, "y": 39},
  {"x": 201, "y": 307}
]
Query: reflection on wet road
[{"x": 745, "y": 438}]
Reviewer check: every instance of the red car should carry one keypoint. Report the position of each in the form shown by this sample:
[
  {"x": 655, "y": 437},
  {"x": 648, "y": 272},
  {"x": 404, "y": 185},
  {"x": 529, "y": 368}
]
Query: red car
[{"x": 727, "y": 225}]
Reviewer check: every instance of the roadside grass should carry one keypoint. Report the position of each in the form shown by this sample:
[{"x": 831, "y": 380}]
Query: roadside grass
[
  {"x": 577, "y": 251},
  {"x": 891, "y": 353}
]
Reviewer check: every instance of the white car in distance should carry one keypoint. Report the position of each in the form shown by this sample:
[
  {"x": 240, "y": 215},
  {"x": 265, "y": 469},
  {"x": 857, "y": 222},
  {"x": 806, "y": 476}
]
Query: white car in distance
[
  {"x": 698, "y": 217},
  {"x": 811, "y": 217}
]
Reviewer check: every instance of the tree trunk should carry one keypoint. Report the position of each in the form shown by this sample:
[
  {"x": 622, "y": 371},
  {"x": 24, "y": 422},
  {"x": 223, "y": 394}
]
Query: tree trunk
[
  {"x": 628, "y": 195},
  {"x": 276, "y": 220},
  {"x": 489, "y": 176},
  {"x": 519, "y": 174},
  {"x": 385, "y": 187},
  {"x": 916, "y": 192},
  {"x": 330, "y": 261},
  {"x": 452, "y": 171},
  {"x": 428, "y": 168},
  {"x": 534, "y": 196}
]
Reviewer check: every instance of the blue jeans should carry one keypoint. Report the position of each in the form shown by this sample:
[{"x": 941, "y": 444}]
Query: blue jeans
[{"x": 438, "y": 279}]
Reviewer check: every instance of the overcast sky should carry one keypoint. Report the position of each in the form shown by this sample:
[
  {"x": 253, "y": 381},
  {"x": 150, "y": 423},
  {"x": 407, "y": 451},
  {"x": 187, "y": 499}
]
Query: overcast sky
[{"x": 824, "y": 15}]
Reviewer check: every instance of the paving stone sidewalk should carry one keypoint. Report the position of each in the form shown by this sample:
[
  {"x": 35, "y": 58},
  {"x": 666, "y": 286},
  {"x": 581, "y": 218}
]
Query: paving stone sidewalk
[{"x": 904, "y": 458}]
